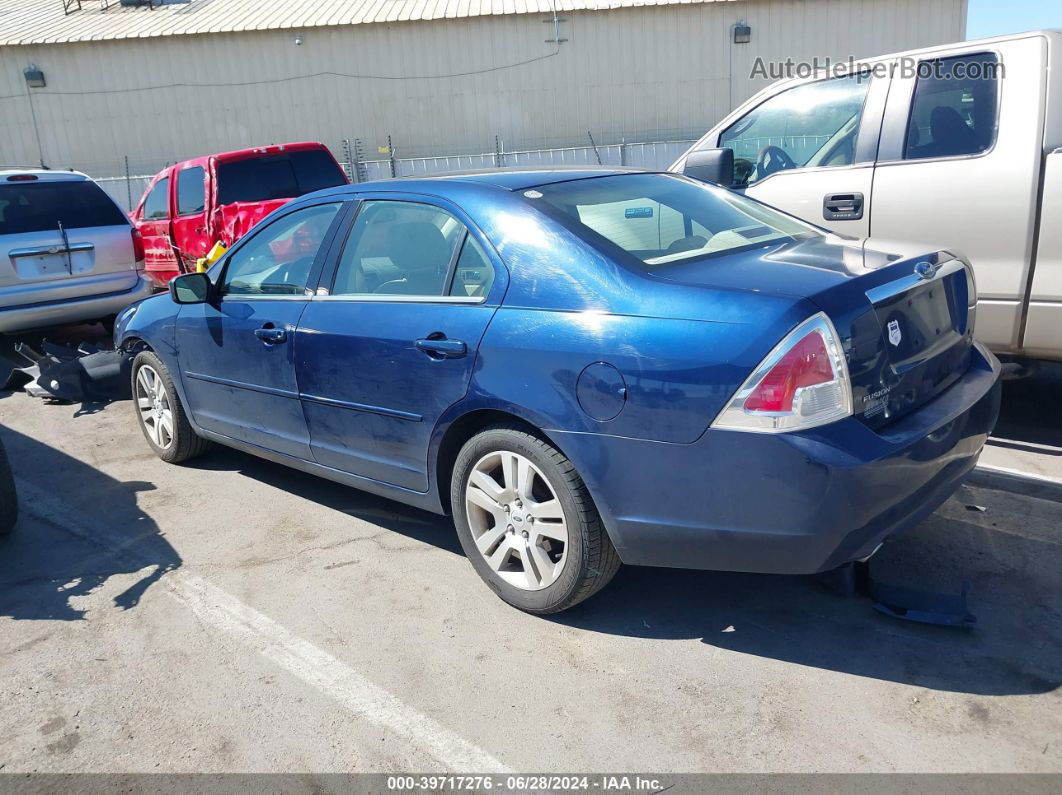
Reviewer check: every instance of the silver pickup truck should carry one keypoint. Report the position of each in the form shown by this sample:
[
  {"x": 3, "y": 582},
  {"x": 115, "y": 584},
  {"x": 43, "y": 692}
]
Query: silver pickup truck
[{"x": 957, "y": 146}]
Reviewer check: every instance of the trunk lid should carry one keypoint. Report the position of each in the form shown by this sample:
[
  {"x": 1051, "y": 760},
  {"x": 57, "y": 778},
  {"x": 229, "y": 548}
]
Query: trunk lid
[{"x": 905, "y": 320}]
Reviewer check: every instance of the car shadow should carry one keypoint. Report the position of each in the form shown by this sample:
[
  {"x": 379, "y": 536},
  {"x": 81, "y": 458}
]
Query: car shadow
[
  {"x": 1023, "y": 424},
  {"x": 1016, "y": 595},
  {"x": 50, "y": 562},
  {"x": 418, "y": 525}
]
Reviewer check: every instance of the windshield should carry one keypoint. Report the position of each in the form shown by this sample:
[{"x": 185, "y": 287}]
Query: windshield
[
  {"x": 277, "y": 176},
  {"x": 661, "y": 219},
  {"x": 40, "y": 206}
]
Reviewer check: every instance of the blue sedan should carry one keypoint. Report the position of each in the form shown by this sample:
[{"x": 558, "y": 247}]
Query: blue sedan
[{"x": 583, "y": 367}]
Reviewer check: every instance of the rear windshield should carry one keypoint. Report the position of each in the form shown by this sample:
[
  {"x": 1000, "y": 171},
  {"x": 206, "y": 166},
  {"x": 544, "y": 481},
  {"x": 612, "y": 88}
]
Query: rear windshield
[
  {"x": 37, "y": 206},
  {"x": 660, "y": 219},
  {"x": 278, "y": 176}
]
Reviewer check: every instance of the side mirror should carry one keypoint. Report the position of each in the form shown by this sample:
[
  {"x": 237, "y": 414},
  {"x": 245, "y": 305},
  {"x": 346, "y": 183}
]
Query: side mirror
[
  {"x": 190, "y": 288},
  {"x": 711, "y": 165}
]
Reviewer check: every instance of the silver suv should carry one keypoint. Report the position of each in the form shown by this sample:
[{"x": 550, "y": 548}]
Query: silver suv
[{"x": 67, "y": 252}]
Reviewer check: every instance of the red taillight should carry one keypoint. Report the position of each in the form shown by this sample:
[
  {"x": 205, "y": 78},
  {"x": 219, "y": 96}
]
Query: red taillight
[
  {"x": 805, "y": 364},
  {"x": 22, "y": 178},
  {"x": 138, "y": 247},
  {"x": 802, "y": 383}
]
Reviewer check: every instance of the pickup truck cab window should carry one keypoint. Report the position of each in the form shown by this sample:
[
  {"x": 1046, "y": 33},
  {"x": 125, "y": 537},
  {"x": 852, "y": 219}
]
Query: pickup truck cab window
[
  {"x": 813, "y": 125},
  {"x": 399, "y": 248},
  {"x": 277, "y": 259},
  {"x": 191, "y": 195},
  {"x": 157, "y": 203},
  {"x": 954, "y": 110},
  {"x": 281, "y": 175}
]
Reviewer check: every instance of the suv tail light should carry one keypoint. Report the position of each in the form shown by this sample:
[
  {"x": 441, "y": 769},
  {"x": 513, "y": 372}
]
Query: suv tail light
[
  {"x": 138, "y": 249},
  {"x": 801, "y": 384}
]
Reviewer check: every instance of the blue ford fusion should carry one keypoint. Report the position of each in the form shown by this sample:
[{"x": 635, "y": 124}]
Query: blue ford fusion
[{"x": 584, "y": 368}]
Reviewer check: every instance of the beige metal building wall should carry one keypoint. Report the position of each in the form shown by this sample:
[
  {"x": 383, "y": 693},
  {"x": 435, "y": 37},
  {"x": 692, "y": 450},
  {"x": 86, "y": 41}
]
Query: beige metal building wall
[{"x": 437, "y": 87}]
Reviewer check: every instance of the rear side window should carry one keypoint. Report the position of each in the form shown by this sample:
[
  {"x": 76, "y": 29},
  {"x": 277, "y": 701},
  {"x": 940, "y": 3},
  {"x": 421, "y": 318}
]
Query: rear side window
[
  {"x": 39, "y": 206},
  {"x": 474, "y": 275},
  {"x": 954, "y": 107},
  {"x": 284, "y": 175},
  {"x": 191, "y": 193},
  {"x": 157, "y": 205},
  {"x": 398, "y": 248}
]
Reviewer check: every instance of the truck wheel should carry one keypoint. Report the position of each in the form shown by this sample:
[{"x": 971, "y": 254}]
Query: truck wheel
[
  {"x": 527, "y": 522},
  {"x": 160, "y": 413},
  {"x": 8, "y": 497}
]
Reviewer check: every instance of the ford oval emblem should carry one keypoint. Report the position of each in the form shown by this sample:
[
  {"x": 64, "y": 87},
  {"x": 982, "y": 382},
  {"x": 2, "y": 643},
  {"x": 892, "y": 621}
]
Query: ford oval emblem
[{"x": 926, "y": 270}]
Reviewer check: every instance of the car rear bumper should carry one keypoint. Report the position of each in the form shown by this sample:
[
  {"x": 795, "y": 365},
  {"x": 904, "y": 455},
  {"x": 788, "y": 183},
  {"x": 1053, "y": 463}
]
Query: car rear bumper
[
  {"x": 786, "y": 503},
  {"x": 72, "y": 310}
]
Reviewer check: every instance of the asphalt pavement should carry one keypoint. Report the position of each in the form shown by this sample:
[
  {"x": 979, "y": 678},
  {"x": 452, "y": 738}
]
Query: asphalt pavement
[{"x": 234, "y": 615}]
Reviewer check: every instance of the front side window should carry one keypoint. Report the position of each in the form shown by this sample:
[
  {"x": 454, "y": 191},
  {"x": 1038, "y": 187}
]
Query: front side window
[
  {"x": 954, "y": 108},
  {"x": 277, "y": 259},
  {"x": 157, "y": 203},
  {"x": 399, "y": 248},
  {"x": 191, "y": 191},
  {"x": 658, "y": 219},
  {"x": 814, "y": 125}
]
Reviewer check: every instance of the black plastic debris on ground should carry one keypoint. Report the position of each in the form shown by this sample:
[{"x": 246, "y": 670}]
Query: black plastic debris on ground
[
  {"x": 908, "y": 604},
  {"x": 71, "y": 374}
]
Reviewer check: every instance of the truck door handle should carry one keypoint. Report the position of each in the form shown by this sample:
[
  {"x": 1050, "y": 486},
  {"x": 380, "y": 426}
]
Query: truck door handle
[
  {"x": 437, "y": 346},
  {"x": 842, "y": 206},
  {"x": 270, "y": 335}
]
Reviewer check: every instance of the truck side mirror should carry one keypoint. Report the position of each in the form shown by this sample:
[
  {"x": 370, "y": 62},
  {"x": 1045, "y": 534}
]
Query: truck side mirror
[
  {"x": 711, "y": 165},
  {"x": 190, "y": 288}
]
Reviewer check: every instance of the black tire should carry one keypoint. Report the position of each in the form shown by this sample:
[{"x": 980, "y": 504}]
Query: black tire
[
  {"x": 590, "y": 560},
  {"x": 8, "y": 497},
  {"x": 184, "y": 443}
]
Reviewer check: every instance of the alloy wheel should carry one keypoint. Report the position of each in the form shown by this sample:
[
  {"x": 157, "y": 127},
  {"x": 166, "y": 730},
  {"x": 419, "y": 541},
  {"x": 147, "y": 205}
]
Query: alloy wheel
[
  {"x": 516, "y": 520},
  {"x": 156, "y": 411}
]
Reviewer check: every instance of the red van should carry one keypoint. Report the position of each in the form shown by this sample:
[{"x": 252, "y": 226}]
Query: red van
[{"x": 190, "y": 206}]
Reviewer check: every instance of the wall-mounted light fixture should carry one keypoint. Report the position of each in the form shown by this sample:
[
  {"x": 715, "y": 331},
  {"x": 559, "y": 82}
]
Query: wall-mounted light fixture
[
  {"x": 298, "y": 41},
  {"x": 34, "y": 76},
  {"x": 742, "y": 33}
]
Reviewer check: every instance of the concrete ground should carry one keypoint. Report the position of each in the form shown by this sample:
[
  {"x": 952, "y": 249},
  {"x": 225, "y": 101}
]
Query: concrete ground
[{"x": 234, "y": 615}]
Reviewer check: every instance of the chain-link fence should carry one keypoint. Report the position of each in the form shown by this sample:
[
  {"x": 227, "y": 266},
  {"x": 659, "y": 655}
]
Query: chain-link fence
[{"x": 127, "y": 188}]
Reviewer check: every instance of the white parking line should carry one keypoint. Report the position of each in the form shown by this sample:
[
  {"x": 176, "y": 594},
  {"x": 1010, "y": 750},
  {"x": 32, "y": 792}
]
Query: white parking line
[
  {"x": 312, "y": 665},
  {"x": 1020, "y": 473}
]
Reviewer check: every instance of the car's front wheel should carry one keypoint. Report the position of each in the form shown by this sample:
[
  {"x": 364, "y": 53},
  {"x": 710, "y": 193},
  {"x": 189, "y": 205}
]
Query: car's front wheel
[
  {"x": 527, "y": 522},
  {"x": 160, "y": 413}
]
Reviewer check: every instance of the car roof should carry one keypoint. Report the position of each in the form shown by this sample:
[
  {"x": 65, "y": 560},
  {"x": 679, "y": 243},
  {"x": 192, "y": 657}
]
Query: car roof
[
  {"x": 42, "y": 174},
  {"x": 508, "y": 179}
]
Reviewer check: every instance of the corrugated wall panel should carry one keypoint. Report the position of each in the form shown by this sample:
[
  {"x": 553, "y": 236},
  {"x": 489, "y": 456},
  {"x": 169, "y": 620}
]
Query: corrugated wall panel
[{"x": 440, "y": 87}]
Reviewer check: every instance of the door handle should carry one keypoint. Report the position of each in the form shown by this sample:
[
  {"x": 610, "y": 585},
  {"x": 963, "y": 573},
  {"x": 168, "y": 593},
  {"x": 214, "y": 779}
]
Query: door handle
[
  {"x": 438, "y": 346},
  {"x": 842, "y": 206},
  {"x": 270, "y": 335}
]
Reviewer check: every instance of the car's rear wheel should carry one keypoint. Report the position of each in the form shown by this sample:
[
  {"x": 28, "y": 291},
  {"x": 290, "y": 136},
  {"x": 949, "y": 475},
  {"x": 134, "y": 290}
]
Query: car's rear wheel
[
  {"x": 527, "y": 522},
  {"x": 160, "y": 413}
]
